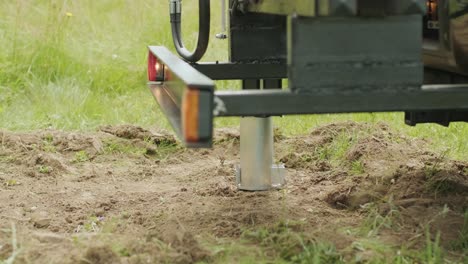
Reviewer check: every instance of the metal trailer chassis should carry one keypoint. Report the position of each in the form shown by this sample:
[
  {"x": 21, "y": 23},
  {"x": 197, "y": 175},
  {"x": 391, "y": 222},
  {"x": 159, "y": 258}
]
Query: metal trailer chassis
[{"x": 338, "y": 56}]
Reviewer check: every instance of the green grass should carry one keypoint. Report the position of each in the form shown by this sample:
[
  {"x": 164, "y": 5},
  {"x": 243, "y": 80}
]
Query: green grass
[
  {"x": 276, "y": 244},
  {"x": 433, "y": 253},
  {"x": 371, "y": 250},
  {"x": 357, "y": 167},
  {"x": 79, "y": 71},
  {"x": 375, "y": 221},
  {"x": 462, "y": 242},
  {"x": 116, "y": 147},
  {"x": 44, "y": 169},
  {"x": 112, "y": 146},
  {"x": 81, "y": 156},
  {"x": 47, "y": 144}
]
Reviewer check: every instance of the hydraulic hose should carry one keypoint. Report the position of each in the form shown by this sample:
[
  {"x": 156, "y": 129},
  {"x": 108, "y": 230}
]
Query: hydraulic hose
[{"x": 203, "y": 33}]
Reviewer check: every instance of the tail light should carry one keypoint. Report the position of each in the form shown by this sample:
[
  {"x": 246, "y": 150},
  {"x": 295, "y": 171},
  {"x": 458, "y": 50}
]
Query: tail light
[
  {"x": 431, "y": 21},
  {"x": 432, "y": 14},
  {"x": 155, "y": 69}
]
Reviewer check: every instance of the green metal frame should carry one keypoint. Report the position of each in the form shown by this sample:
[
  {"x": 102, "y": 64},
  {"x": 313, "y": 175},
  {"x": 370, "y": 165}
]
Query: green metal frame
[
  {"x": 378, "y": 70},
  {"x": 272, "y": 102},
  {"x": 284, "y": 102}
]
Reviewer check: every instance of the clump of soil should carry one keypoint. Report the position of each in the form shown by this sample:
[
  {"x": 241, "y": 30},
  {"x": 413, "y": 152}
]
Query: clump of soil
[
  {"x": 100, "y": 254},
  {"x": 134, "y": 132},
  {"x": 125, "y": 194}
]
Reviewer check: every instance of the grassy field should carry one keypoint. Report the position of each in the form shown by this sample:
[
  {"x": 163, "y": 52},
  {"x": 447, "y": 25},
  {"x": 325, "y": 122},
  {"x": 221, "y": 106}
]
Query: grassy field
[{"x": 77, "y": 65}]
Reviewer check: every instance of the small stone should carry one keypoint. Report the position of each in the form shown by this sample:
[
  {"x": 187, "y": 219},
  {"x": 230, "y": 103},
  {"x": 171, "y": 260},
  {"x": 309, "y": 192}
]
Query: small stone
[
  {"x": 125, "y": 215},
  {"x": 151, "y": 151},
  {"x": 42, "y": 222},
  {"x": 49, "y": 237},
  {"x": 99, "y": 212},
  {"x": 29, "y": 209},
  {"x": 54, "y": 229}
]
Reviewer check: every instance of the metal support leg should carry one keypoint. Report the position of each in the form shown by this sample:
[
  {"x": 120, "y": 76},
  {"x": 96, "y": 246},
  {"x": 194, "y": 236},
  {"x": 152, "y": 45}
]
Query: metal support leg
[{"x": 257, "y": 171}]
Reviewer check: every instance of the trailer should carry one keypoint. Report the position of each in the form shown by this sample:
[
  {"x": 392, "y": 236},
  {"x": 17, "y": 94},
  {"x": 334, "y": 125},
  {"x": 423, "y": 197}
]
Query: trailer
[{"x": 339, "y": 56}]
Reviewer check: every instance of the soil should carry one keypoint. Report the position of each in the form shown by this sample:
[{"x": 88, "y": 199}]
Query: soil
[{"x": 125, "y": 194}]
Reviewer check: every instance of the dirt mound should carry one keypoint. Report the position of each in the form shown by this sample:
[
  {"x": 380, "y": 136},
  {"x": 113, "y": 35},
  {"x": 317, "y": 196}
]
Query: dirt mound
[
  {"x": 134, "y": 132},
  {"x": 50, "y": 140},
  {"x": 364, "y": 167},
  {"x": 125, "y": 194},
  {"x": 397, "y": 169}
]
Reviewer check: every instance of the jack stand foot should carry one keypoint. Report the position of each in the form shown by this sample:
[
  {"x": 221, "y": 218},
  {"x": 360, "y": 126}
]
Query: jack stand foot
[{"x": 257, "y": 171}]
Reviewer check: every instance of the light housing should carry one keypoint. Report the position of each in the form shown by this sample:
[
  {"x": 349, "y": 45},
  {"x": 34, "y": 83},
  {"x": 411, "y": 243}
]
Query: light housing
[{"x": 184, "y": 94}]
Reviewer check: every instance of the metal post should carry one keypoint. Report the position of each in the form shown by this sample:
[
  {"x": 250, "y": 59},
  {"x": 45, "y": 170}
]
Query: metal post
[{"x": 257, "y": 172}]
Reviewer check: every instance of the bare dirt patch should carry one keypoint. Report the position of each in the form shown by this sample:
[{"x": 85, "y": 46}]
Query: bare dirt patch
[{"x": 129, "y": 195}]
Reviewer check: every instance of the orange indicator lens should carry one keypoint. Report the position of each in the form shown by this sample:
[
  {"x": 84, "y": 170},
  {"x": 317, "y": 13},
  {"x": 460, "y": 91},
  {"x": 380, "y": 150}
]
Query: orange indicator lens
[{"x": 190, "y": 108}]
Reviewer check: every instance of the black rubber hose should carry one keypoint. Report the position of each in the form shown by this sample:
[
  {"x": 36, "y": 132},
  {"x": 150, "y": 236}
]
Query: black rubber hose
[{"x": 203, "y": 33}]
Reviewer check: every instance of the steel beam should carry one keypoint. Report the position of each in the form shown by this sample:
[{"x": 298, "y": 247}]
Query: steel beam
[
  {"x": 440, "y": 117},
  {"x": 282, "y": 102},
  {"x": 179, "y": 71},
  {"x": 391, "y": 7},
  {"x": 238, "y": 71},
  {"x": 312, "y": 8}
]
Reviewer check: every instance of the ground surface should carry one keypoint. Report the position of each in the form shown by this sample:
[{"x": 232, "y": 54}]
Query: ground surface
[{"x": 356, "y": 192}]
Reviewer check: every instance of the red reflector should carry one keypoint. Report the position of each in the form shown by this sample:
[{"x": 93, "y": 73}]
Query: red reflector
[{"x": 153, "y": 67}]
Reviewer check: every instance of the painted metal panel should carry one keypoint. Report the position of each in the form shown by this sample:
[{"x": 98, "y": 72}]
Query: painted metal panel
[{"x": 355, "y": 55}]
